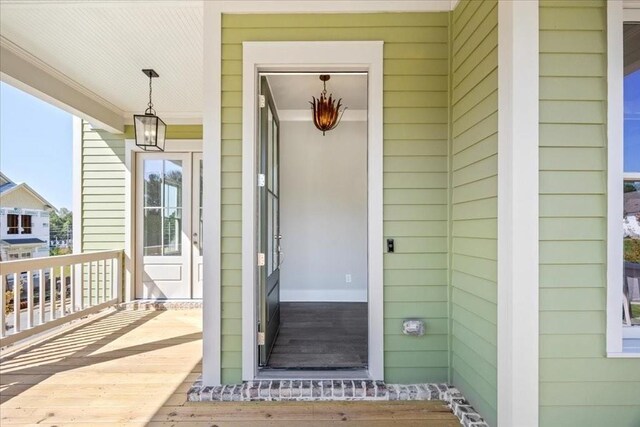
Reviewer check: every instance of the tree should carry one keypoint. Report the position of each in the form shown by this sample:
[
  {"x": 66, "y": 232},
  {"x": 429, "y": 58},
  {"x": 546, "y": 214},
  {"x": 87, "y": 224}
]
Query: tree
[{"x": 60, "y": 229}]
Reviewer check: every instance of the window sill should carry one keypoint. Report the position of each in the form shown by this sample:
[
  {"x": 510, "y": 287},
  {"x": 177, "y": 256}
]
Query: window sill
[{"x": 623, "y": 355}]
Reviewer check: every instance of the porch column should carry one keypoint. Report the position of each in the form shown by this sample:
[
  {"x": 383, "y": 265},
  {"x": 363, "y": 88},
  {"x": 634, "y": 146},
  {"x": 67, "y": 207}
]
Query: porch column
[
  {"x": 518, "y": 284},
  {"x": 211, "y": 151}
]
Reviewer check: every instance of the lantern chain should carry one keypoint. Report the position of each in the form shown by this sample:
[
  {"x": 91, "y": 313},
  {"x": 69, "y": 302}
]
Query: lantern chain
[{"x": 150, "y": 104}]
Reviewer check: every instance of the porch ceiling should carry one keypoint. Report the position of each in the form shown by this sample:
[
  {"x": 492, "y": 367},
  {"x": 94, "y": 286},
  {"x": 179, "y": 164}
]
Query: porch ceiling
[{"x": 99, "y": 47}]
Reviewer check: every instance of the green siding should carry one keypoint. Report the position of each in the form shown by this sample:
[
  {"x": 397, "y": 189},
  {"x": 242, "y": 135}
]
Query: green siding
[
  {"x": 474, "y": 186},
  {"x": 416, "y": 100},
  {"x": 578, "y": 384},
  {"x": 103, "y": 177}
]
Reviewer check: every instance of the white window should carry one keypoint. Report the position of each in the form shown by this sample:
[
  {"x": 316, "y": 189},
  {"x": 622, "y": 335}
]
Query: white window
[
  {"x": 12, "y": 223},
  {"x": 26, "y": 224},
  {"x": 623, "y": 258}
]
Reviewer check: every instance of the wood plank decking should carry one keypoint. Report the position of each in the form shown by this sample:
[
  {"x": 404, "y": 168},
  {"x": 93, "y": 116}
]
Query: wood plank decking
[{"x": 135, "y": 367}]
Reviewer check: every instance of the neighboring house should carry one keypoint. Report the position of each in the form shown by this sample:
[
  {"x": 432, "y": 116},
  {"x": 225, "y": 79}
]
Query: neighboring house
[
  {"x": 474, "y": 184},
  {"x": 24, "y": 221}
]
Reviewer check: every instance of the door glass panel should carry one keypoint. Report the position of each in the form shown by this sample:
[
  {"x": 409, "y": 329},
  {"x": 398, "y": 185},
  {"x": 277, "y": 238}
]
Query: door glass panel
[
  {"x": 152, "y": 232},
  {"x": 172, "y": 232},
  {"x": 269, "y": 149},
  {"x": 162, "y": 201},
  {"x": 270, "y": 265},
  {"x": 200, "y": 225},
  {"x": 275, "y": 163},
  {"x": 276, "y": 233},
  {"x": 152, "y": 183}
]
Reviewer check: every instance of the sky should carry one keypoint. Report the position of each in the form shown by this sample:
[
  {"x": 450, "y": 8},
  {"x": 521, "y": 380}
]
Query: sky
[{"x": 36, "y": 145}]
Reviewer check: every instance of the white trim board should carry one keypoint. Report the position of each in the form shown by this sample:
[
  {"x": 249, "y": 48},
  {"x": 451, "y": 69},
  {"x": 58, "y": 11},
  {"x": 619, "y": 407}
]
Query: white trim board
[
  {"x": 26, "y": 72},
  {"x": 335, "y": 6},
  {"x": 211, "y": 198},
  {"x": 615, "y": 121},
  {"x": 616, "y": 17},
  {"x": 296, "y": 56},
  {"x": 518, "y": 236}
]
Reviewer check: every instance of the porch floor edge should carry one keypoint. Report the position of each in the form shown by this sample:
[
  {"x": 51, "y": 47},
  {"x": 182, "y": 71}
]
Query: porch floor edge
[{"x": 337, "y": 390}]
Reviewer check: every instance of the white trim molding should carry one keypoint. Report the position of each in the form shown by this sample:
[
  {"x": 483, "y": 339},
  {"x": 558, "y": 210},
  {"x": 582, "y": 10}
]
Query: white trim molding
[
  {"x": 616, "y": 332},
  {"x": 26, "y": 72},
  {"x": 615, "y": 123},
  {"x": 518, "y": 236},
  {"x": 335, "y": 6},
  {"x": 211, "y": 199},
  {"x": 300, "y": 56},
  {"x": 76, "y": 150}
]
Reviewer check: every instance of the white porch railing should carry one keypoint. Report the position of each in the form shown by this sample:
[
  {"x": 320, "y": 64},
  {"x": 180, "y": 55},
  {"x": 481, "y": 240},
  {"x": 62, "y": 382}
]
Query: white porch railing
[{"x": 41, "y": 293}]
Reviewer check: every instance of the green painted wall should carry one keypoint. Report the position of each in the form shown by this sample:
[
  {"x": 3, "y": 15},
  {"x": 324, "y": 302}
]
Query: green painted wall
[
  {"x": 103, "y": 176},
  {"x": 474, "y": 202},
  {"x": 103, "y": 198},
  {"x": 579, "y": 386},
  {"x": 415, "y": 175}
]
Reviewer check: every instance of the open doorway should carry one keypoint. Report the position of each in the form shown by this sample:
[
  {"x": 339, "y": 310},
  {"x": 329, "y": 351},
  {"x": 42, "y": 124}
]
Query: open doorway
[{"x": 311, "y": 226}]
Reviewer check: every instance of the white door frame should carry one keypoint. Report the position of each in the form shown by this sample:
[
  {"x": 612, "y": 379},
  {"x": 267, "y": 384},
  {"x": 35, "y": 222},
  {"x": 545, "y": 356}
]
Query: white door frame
[
  {"x": 130, "y": 154},
  {"x": 304, "y": 56}
]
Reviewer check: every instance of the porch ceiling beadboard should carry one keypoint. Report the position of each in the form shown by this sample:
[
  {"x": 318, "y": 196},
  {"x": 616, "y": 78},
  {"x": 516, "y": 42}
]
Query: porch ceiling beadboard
[
  {"x": 578, "y": 384},
  {"x": 415, "y": 175},
  {"x": 474, "y": 202}
]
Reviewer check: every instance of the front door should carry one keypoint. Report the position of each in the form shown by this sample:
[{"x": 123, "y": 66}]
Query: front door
[
  {"x": 268, "y": 225},
  {"x": 168, "y": 224}
]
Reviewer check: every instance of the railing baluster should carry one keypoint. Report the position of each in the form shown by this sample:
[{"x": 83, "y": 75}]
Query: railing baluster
[
  {"x": 90, "y": 285},
  {"x": 63, "y": 293},
  {"x": 42, "y": 296},
  {"x": 104, "y": 280},
  {"x": 81, "y": 287},
  {"x": 112, "y": 272},
  {"x": 16, "y": 304},
  {"x": 72, "y": 286},
  {"x": 3, "y": 304},
  {"x": 29, "y": 299},
  {"x": 52, "y": 294}
]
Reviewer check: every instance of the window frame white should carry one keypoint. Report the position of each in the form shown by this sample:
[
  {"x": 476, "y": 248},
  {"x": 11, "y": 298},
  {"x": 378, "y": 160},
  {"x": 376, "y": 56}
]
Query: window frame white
[{"x": 617, "y": 15}]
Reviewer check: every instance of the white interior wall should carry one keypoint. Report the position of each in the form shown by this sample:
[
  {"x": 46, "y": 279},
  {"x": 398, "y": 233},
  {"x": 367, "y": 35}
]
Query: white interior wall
[{"x": 323, "y": 186}]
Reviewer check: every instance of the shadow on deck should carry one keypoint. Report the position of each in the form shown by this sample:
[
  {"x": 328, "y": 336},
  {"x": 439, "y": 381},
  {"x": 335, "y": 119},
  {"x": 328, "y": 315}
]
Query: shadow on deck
[{"x": 135, "y": 367}]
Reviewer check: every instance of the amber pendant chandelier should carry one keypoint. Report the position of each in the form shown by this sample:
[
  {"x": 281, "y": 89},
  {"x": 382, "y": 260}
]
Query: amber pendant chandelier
[{"x": 326, "y": 114}]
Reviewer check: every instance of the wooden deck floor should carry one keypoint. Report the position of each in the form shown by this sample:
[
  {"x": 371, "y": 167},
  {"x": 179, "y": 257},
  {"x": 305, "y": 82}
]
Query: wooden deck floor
[{"x": 134, "y": 368}]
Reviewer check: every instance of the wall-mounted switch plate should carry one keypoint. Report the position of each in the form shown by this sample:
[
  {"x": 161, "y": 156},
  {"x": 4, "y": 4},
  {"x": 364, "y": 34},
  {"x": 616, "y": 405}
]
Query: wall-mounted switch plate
[{"x": 347, "y": 278}]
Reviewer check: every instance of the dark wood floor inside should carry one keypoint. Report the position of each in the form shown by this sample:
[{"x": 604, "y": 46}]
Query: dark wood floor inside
[{"x": 321, "y": 335}]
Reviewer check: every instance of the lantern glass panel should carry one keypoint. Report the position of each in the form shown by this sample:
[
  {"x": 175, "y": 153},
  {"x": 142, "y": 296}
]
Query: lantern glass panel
[{"x": 150, "y": 132}]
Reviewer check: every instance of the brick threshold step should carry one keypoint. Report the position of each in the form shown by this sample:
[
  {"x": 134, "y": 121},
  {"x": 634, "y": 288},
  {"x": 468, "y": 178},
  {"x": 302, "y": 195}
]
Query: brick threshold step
[{"x": 336, "y": 390}]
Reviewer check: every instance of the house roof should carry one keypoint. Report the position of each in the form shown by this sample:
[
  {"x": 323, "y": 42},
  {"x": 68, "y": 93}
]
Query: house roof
[
  {"x": 29, "y": 241},
  {"x": 10, "y": 187}
]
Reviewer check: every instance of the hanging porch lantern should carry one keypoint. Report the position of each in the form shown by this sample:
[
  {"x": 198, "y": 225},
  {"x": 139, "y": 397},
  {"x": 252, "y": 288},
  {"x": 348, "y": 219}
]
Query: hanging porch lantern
[
  {"x": 326, "y": 114},
  {"x": 149, "y": 129}
]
